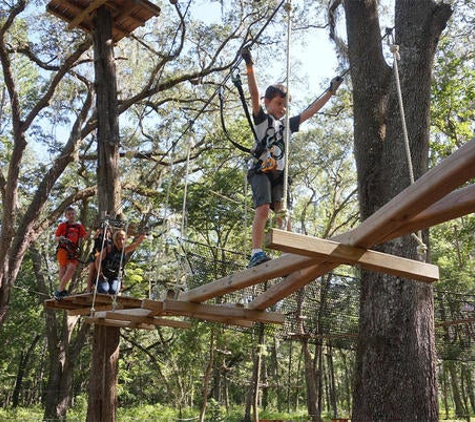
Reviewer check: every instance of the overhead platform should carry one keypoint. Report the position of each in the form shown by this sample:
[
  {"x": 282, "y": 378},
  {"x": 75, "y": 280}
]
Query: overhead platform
[{"x": 127, "y": 15}]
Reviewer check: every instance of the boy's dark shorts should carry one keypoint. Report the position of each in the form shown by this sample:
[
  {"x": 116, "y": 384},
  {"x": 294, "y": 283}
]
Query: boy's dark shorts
[{"x": 267, "y": 188}]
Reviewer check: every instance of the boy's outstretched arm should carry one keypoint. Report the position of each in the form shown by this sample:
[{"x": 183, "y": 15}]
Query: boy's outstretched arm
[
  {"x": 251, "y": 81},
  {"x": 321, "y": 101}
]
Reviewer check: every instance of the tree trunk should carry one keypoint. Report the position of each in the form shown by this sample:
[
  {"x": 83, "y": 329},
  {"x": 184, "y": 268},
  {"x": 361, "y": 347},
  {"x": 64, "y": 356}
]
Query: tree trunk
[
  {"x": 109, "y": 193},
  {"x": 22, "y": 366},
  {"x": 396, "y": 361},
  {"x": 207, "y": 376},
  {"x": 455, "y": 382},
  {"x": 102, "y": 402},
  {"x": 257, "y": 372},
  {"x": 311, "y": 383}
]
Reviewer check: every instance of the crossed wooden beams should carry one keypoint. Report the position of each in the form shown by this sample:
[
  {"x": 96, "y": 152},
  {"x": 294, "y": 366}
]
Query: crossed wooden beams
[{"x": 429, "y": 201}]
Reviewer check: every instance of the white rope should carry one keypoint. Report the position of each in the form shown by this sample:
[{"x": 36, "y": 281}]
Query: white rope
[
  {"x": 422, "y": 247},
  {"x": 182, "y": 272},
  {"x": 191, "y": 144},
  {"x": 121, "y": 272},
  {"x": 283, "y": 213}
]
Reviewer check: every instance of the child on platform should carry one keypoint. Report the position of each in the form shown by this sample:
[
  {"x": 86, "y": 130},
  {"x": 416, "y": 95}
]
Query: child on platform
[
  {"x": 266, "y": 176},
  {"x": 68, "y": 235}
]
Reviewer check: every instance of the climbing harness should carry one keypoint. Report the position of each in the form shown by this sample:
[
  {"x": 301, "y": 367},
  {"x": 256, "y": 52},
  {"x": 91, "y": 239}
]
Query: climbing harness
[
  {"x": 106, "y": 225},
  {"x": 67, "y": 244}
]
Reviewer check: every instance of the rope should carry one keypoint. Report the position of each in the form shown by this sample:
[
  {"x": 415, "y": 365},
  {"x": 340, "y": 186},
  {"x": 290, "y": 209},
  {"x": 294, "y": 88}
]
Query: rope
[
  {"x": 105, "y": 228},
  {"x": 394, "y": 48},
  {"x": 283, "y": 213}
]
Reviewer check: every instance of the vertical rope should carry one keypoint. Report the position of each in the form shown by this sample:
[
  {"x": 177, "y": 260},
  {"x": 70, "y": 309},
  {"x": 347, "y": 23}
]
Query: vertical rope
[
  {"x": 191, "y": 144},
  {"x": 105, "y": 228},
  {"x": 284, "y": 212},
  {"x": 422, "y": 247}
]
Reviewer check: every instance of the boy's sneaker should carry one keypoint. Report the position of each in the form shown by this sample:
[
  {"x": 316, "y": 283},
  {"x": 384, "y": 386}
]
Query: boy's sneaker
[
  {"x": 257, "y": 259},
  {"x": 60, "y": 295}
]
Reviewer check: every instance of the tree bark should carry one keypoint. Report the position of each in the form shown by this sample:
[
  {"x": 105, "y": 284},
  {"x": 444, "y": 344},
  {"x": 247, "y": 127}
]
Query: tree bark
[
  {"x": 207, "y": 377},
  {"x": 108, "y": 182},
  {"x": 102, "y": 403},
  {"x": 396, "y": 362},
  {"x": 22, "y": 366}
]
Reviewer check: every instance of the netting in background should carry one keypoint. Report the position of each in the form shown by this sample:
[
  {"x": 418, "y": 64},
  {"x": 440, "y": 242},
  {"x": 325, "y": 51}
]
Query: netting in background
[{"x": 326, "y": 310}]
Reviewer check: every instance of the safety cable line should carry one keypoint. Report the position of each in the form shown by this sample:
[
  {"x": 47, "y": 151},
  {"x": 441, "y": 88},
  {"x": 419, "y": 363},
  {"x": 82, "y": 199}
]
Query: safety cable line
[{"x": 284, "y": 212}]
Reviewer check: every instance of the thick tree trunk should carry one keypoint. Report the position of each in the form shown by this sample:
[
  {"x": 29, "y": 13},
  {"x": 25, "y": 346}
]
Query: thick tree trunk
[
  {"x": 395, "y": 363},
  {"x": 109, "y": 193},
  {"x": 102, "y": 403}
]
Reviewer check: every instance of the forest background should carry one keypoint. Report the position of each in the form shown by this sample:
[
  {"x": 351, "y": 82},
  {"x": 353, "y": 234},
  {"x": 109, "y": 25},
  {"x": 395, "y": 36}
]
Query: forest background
[{"x": 185, "y": 184}]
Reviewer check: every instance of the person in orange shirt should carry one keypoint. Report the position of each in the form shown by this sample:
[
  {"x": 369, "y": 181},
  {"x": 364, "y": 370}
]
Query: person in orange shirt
[{"x": 68, "y": 235}]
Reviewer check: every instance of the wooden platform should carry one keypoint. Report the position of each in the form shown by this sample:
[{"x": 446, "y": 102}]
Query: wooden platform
[
  {"x": 130, "y": 312},
  {"x": 127, "y": 15}
]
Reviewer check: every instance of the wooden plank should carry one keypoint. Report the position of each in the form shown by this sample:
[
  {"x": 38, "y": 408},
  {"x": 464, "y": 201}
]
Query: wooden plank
[
  {"x": 87, "y": 311},
  {"x": 154, "y": 306},
  {"x": 289, "y": 285},
  {"x": 157, "y": 308},
  {"x": 278, "y": 267},
  {"x": 120, "y": 324},
  {"x": 178, "y": 307},
  {"x": 344, "y": 254},
  {"x": 456, "y": 204},
  {"x": 141, "y": 316},
  {"x": 86, "y": 12}
]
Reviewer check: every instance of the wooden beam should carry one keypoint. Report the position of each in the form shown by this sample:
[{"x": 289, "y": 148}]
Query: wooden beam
[
  {"x": 178, "y": 307},
  {"x": 119, "y": 324},
  {"x": 86, "y": 12},
  {"x": 141, "y": 316},
  {"x": 278, "y": 267},
  {"x": 456, "y": 204},
  {"x": 87, "y": 311},
  {"x": 289, "y": 285},
  {"x": 338, "y": 253},
  {"x": 157, "y": 308}
]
